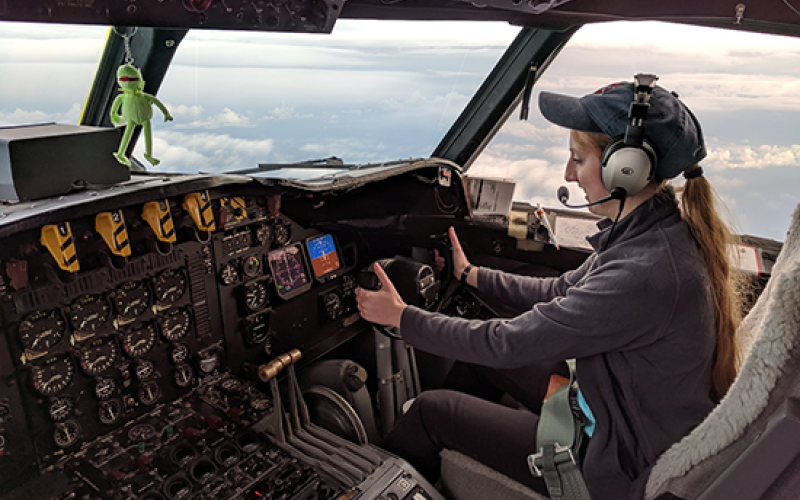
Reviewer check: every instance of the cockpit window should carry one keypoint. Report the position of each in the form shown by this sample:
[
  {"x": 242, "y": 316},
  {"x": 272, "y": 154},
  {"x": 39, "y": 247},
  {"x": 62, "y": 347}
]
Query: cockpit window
[
  {"x": 46, "y": 71},
  {"x": 742, "y": 87},
  {"x": 370, "y": 91}
]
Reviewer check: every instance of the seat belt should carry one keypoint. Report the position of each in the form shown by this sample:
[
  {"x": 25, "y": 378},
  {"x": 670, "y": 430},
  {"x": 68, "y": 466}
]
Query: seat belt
[{"x": 558, "y": 439}]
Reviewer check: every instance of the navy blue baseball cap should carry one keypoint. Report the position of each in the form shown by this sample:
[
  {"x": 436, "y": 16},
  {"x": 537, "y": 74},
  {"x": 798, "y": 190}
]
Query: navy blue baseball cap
[{"x": 670, "y": 126}]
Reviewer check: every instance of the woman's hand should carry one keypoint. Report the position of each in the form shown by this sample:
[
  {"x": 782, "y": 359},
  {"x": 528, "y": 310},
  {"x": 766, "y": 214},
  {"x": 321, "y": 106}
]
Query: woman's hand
[
  {"x": 460, "y": 261},
  {"x": 384, "y": 306}
]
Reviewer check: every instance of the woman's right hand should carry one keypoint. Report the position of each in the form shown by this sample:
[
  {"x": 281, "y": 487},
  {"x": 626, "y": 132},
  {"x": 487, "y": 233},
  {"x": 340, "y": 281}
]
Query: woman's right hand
[{"x": 460, "y": 261}]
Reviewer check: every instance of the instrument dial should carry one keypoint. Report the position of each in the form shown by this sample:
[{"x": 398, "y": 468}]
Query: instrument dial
[
  {"x": 180, "y": 353},
  {"x": 42, "y": 330},
  {"x": 60, "y": 408},
  {"x": 104, "y": 388},
  {"x": 231, "y": 385},
  {"x": 145, "y": 370},
  {"x": 169, "y": 286},
  {"x": 209, "y": 362},
  {"x": 89, "y": 313},
  {"x": 251, "y": 267},
  {"x": 98, "y": 356},
  {"x": 257, "y": 329},
  {"x": 176, "y": 324},
  {"x": 228, "y": 274},
  {"x": 184, "y": 375},
  {"x": 67, "y": 433},
  {"x": 264, "y": 234},
  {"x": 149, "y": 393},
  {"x": 260, "y": 404},
  {"x": 256, "y": 295},
  {"x": 53, "y": 375},
  {"x": 281, "y": 233},
  {"x": 132, "y": 299},
  {"x": 142, "y": 432},
  {"x": 109, "y": 411},
  {"x": 139, "y": 340}
]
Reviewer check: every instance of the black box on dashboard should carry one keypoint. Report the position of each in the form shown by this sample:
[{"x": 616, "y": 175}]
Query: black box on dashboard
[{"x": 37, "y": 161}]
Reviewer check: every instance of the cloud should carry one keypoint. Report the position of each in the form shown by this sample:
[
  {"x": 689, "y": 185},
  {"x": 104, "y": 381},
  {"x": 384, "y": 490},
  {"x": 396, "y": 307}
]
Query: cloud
[
  {"x": 26, "y": 117},
  {"x": 226, "y": 118},
  {"x": 752, "y": 156},
  {"x": 206, "y": 152},
  {"x": 286, "y": 112}
]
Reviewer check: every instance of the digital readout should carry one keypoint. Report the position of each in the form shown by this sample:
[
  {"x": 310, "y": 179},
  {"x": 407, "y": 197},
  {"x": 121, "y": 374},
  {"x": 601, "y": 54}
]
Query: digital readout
[
  {"x": 324, "y": 257},
  {"x": 288, "y": 269}
]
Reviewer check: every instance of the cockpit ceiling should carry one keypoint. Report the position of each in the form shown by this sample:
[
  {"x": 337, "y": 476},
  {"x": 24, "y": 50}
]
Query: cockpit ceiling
[{"x": 768, "y": 16}]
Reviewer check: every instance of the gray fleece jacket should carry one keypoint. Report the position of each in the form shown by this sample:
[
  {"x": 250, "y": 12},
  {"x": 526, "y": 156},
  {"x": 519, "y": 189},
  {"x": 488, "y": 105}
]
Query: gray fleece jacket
[{"x": 637, "y": 316}]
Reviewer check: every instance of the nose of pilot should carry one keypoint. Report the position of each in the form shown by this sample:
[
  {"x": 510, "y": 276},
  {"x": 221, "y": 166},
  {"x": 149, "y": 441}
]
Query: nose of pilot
[{"x": 569, "y": 172}]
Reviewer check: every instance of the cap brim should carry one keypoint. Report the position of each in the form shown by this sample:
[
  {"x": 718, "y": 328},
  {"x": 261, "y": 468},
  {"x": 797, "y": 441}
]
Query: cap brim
[{"x": 566, "y": 111}]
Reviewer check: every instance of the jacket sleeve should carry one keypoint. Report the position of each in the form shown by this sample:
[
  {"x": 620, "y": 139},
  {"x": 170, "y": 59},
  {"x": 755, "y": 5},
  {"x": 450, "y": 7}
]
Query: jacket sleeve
[
  {"x": 520, "y": 293},
  {"x": 615, "y": 307}
]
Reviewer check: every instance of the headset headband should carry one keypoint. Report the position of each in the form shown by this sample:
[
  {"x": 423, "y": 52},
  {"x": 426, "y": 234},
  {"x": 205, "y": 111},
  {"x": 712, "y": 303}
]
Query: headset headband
[{"x": 643, "y": 86}]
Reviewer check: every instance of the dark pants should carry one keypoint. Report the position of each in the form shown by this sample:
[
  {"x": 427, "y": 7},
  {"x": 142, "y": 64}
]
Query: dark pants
[{"x": 469, "y": 420}]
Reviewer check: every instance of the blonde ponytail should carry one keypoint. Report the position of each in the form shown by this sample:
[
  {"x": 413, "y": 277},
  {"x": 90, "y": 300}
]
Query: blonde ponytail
[{"x": 699, "y": 207}]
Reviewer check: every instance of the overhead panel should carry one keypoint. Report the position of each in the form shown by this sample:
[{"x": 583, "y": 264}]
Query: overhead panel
[{"x": 304, "y": 16}]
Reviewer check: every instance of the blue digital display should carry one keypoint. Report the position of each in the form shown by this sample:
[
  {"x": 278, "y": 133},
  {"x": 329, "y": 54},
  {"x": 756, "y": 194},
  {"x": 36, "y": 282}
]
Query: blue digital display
[{"x": 323, "y": 254}]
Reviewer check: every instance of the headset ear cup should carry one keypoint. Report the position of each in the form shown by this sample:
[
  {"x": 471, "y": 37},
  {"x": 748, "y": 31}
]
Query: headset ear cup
[{"x": 627, "y": 167}]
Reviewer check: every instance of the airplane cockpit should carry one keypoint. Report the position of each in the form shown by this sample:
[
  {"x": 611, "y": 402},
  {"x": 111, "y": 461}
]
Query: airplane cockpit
[{"x": 194, "y": 335}]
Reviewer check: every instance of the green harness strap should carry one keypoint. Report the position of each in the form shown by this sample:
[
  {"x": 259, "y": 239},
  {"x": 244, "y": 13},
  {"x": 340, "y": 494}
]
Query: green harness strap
[{"x": 558, "y": 439}]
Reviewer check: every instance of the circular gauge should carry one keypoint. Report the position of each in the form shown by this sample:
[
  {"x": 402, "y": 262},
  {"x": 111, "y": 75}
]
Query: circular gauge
[
  {"x": 209, "y": 362},
  {"x": 109, "y": 411},
  {"x": 67, "y": 433},
  {"x": 333, "y": 304},
  {"x": 41, "y": 330},
  {"x": 139, "y": 340},
  {"x": 141, "y": 432},
  {"x": 257, "y": 329},
  {"x": 169, "y": 286},
  {"x": 256, "y": 296},
  {"x": 60, "y": 408},
  {"x": 180, "y": 353},
  {"x": 251, "y": 267},
  {"x": 264, "y": 234},
  {"x": 132, "y": 299},
  {"x": 184, "y": 375},
  {"x": 53, "y": 375},
  {"x": 98, "y": 356},
  {"x": 145, "y": 370},
  {"x": 260, "y": 404},
  {"x": 231, "y": 385},
  {"x": 149, "y": 393},
  {"x": 228, "y": 274},
  {"x": 176, "y": 324},
  {"x": 104, "y": 388},
  {"x": 282, "y": 233},
  {"x": 89, "y": 313}
]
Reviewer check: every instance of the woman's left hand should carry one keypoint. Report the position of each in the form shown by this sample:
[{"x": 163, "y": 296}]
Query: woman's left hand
[{"x": 384, "y": 306}]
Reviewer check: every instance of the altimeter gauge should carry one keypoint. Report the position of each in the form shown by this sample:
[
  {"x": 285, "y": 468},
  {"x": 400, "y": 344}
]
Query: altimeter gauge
[
  {"x": 42, "y": 330},
  {"x": 53, "y": 375},
  {"x": 98, "y": 355}
]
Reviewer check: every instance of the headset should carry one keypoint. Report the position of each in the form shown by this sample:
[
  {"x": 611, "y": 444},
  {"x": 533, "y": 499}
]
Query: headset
[{"x": 629, "y": 161}]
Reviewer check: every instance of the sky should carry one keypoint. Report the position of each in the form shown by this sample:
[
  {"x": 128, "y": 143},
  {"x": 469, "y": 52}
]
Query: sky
[{"x": 374, "y": 91}]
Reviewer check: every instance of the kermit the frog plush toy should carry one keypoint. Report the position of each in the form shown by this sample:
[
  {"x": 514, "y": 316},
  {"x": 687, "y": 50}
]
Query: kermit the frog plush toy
[{"x": 137, "y": 109}]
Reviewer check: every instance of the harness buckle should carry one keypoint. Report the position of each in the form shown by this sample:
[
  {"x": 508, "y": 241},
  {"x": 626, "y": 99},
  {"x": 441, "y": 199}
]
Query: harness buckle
[{"x": 562, "y": 454}]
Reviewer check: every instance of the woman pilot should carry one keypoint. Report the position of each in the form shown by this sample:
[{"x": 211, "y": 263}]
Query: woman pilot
[{"x": 649, "y": 317}]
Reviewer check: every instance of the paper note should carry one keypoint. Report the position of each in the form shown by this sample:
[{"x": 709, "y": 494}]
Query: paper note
[{"x": 572, "y": 231}]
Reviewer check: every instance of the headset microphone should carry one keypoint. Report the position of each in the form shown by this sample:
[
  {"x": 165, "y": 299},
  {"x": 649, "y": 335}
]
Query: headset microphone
[{"x": 563, "y": 197}]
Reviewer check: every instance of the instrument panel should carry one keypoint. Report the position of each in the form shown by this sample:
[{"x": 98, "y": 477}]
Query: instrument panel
[{"x": 108, "y": 317}]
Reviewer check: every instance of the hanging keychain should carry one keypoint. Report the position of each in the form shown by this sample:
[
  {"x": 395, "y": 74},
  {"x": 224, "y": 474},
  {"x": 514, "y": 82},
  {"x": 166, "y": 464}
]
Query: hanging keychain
[{"x": 137, "y": 106}]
